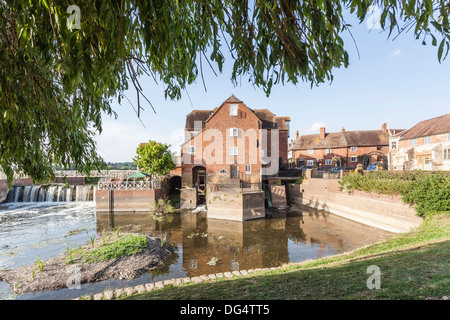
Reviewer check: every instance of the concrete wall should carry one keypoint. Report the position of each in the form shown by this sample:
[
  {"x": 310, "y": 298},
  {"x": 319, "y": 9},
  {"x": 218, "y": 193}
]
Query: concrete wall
[
  {"x": 235, "y": 205},
  {"x": 380, "y": 211},
  {"x": 126, "y": 200},
  {"x": 188, "y": 198},
  {"x": 278, "y": 194}
]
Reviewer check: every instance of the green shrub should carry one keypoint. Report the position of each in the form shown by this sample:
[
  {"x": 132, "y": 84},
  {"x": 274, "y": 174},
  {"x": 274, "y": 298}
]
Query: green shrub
[
  {"x": 162, "y": 206},
  {"x": 431, "y": 194}
]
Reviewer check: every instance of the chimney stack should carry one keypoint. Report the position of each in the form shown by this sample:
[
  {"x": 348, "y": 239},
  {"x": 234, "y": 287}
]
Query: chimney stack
[
  {"x": 384, "y": 127},
  {"x": 296, "y": 134},
  {"x": 322, "y": 133},
  {"x": 343, "y": 129}
]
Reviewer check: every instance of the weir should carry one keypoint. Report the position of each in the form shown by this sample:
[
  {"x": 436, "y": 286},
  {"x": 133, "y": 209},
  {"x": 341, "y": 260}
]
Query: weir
[{"x": 51, "y": 193}]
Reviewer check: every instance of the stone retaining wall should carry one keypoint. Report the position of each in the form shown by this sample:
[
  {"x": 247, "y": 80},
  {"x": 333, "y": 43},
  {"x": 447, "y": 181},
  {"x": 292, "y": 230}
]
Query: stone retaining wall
[
  {"x": 126, "y": 200},
  {"x": 377, "y": 210},
  {"x": 235, "y": 205}
]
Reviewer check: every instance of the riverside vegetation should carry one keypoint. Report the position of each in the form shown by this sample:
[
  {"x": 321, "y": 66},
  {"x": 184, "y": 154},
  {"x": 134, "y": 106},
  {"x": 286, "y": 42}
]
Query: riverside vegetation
[{"x": 110, "y": 255}]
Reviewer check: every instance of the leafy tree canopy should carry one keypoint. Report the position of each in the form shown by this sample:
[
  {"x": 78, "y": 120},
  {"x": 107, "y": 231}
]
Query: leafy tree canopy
[
  {"x": 154, "y": 158},
  {"x": 61, "y": 66}
]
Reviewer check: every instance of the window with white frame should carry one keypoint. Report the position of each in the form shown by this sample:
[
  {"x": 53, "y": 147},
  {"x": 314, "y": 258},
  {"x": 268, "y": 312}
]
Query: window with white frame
[
  {"x": 327, "y": 150},
  {"x": 328, "y": 162},
  {"x": 290, "y": 154},
  {"x": 310, "y": 163},
  {"x": 353, "y": 148},
  {"x": 413, "y": 142},
  {"x": 191, "y": 149},
  {"x": 310, "y": 151},
  {"x": 248, "y": 169},
  {"x": 234, "y": 132},
  {"x": 192, "y": 133},
  {"x": 446, "y": 153},
  {"x": 427, "y": 140},
  {"x": 353, "y": 159},
  {"x": 233, "y": 110},
  {"x": 233, "y": 151},
  {"x": 394, "y": 145}
]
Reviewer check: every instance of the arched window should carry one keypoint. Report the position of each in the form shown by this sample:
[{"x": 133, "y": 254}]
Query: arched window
[{"x": 224, "y": 171}]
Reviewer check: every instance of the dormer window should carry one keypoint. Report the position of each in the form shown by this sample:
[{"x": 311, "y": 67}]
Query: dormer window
[{"x": 233, "y": 110}]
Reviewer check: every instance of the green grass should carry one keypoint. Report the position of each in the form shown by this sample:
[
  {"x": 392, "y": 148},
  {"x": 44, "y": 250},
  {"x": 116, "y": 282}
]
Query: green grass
[
  {"x": 413, "y": 265},
  {"x": 113, "y": 246},
  {"x": 127, "y": 245}
]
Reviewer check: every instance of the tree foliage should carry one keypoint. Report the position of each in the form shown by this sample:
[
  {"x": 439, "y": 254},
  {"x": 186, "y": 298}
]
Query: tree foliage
[
  {"x": 154, "y": 158},
  {"x": 57, "y": 79}
]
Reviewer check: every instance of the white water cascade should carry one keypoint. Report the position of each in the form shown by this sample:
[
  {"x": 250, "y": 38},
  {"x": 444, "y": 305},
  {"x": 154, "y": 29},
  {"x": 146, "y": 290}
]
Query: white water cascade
[
  {"x": 83, "y": 193},
  {"x": 52, "y": 193}
]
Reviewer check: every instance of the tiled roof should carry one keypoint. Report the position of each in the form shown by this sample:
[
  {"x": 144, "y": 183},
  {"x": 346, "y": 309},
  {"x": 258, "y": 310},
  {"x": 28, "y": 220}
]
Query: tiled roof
[
  {"x": 429, "y": 127},
  {"x": 196, "y": 115},
  {"x": 342, "y": 140},
  {"x": 268, "y": 119},
  {"x": 232, "y": 99}
]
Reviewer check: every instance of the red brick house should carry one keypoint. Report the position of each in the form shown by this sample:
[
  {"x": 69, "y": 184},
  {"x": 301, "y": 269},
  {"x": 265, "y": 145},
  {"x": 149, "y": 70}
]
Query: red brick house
[
  {"x": 344, "y": 148},
  {"x": 232, "y": 141}
]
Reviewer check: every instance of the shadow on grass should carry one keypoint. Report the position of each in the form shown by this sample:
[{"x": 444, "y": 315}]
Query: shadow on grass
[{"x": 417, "y": 273}]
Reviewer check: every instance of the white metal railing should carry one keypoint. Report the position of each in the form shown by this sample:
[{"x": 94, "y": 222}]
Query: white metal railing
[{"x": 130, "y": 185}]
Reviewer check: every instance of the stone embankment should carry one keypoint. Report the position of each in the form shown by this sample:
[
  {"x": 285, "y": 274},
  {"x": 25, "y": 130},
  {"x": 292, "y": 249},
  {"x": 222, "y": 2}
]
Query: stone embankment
[{"x": 123, "y": 292}]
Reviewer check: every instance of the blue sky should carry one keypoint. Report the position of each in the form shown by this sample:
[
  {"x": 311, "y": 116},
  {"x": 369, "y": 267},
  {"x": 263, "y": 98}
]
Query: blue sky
[{"x": 399, "y": 82}]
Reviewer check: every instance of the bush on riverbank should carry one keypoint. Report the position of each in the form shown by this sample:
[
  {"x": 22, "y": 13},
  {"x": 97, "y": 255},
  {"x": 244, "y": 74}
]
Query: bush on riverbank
[{"x": 428, "y": 191}]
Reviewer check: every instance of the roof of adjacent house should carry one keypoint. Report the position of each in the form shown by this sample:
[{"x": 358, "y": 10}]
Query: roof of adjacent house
[
  {"x": 268, "y": 119},
  {"x": 342, "y": 139},
  {"x": 429, "y": 127},
  {"x": 196, "y": 115}
]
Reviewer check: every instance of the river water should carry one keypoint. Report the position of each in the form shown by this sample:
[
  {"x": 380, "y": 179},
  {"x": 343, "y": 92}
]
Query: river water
[{"x": 29, "y": 231}]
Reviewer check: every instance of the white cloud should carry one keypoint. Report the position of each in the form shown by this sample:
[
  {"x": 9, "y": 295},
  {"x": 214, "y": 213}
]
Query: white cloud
[
  {"x": 315, "y": 128},
  {"x": 118, "y": 141},
  {"x": 397, "y": 53}
]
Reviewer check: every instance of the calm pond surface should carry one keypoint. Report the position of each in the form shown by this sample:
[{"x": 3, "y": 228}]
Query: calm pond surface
[{"x": 200, "y": 245}]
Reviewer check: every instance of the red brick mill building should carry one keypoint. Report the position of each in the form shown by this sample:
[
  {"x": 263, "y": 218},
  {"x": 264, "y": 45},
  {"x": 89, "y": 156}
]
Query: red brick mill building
[
  {"x": 232, "y": 142},
  {"x": 342, "y": 149}
]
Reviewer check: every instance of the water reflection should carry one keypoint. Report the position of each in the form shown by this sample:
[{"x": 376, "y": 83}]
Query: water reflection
[{"x": 206, "y": 246}]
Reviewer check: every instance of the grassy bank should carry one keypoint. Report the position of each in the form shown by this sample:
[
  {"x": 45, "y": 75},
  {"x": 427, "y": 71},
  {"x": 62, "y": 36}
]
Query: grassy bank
[{"x": 413, "y": 265}]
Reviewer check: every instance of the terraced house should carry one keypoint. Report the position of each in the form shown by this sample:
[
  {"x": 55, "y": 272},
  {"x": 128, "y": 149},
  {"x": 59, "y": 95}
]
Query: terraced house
[
  {"x": 343, "y": 149},
  {"x": 425, "y": 146},
  {"x": 232, "y": 142}
]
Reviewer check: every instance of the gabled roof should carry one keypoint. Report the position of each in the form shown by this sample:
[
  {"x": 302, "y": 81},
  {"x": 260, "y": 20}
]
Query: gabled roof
[
  {"x": 267, "y": 118},
  {"x": 232, "y": 99},
  {"x": 342, "y": 140},
  {"x": 429, "y": 127}
]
